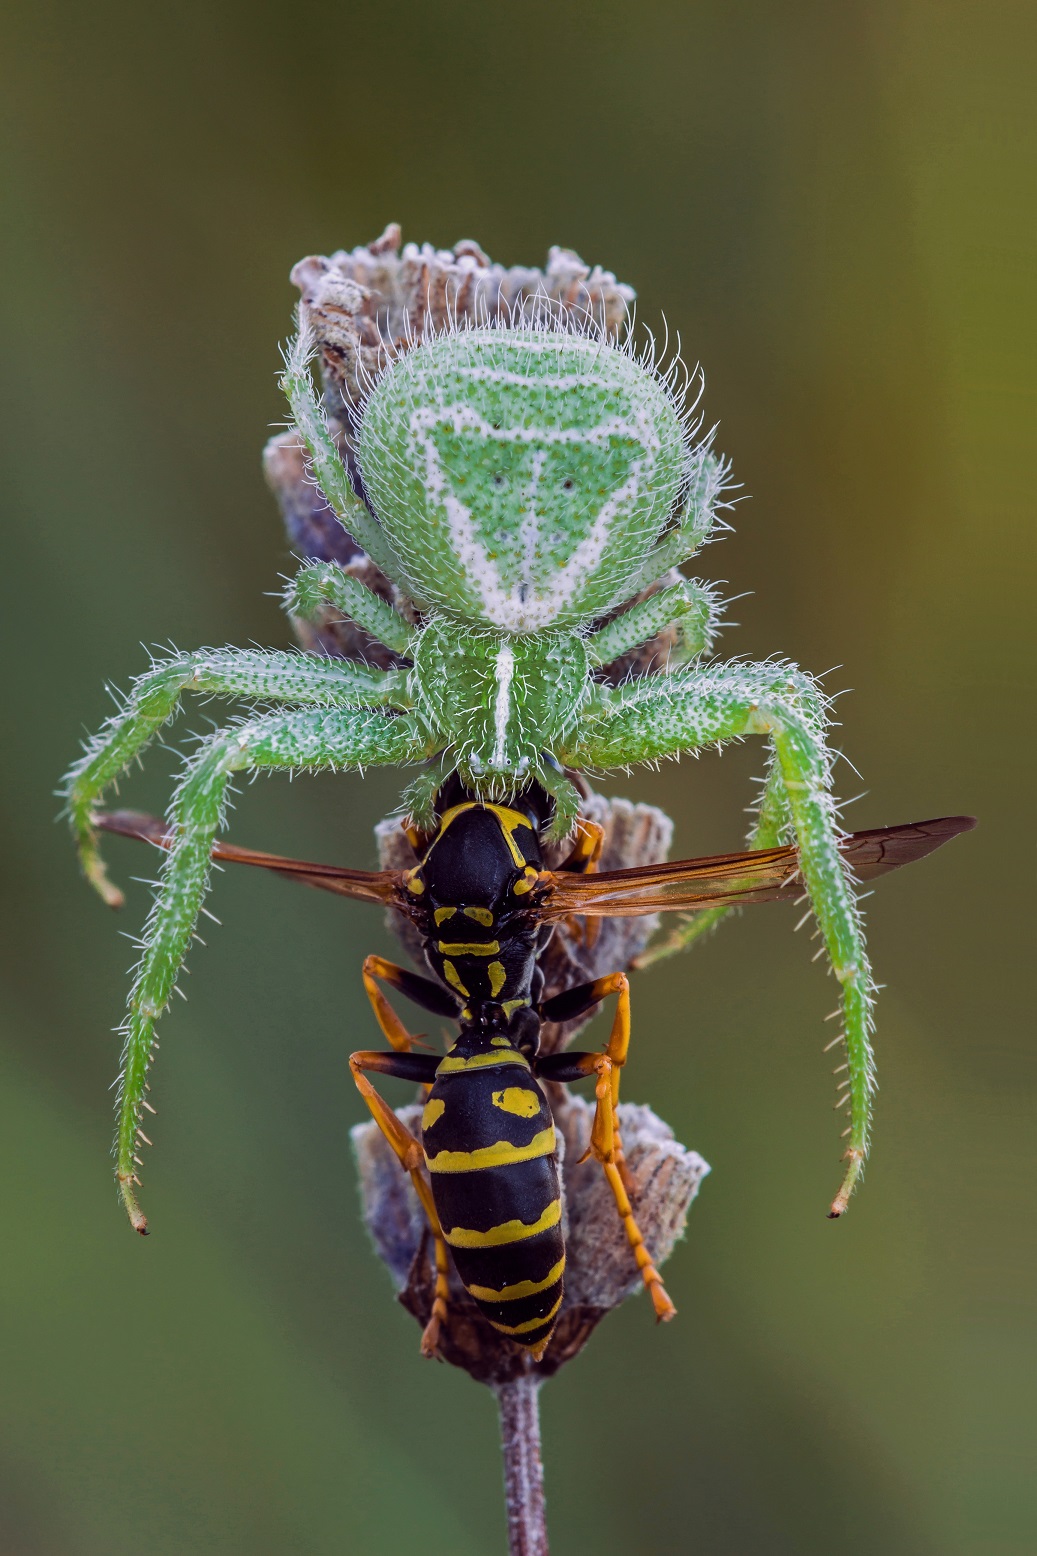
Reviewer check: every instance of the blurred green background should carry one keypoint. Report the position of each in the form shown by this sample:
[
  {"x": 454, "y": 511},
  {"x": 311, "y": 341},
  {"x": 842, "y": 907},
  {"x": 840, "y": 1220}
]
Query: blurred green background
[{"x": 831, "y": 204}]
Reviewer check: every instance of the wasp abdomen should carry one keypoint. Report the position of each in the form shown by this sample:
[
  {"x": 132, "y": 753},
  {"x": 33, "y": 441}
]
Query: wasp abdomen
[{"x": 489, "y": 1144}]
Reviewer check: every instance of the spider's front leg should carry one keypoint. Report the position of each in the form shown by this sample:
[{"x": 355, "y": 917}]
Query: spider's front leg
[
  {"x": 770, "y": 829},
  {"x": 262, "y": 676},
  {"x": 325, "y": 460},
  {"x": 337, "y": 739},
  {"x": 665, "y": 715}
]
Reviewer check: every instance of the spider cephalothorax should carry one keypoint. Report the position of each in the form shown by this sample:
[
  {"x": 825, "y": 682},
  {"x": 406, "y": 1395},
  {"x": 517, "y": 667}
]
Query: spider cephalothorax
[{"x": 492, "y": 497}]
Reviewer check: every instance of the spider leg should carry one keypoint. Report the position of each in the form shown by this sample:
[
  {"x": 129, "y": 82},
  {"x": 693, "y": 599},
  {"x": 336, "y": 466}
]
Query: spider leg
[
  {"x": 319, "y": 584},
  {"x": 565, "y": 795},
  {"x": 693, "y": 523},
  {"x": 419, "y": 797},
  {"x": 664, "y": 715},
  {"x": 689, "y": 603},
  {"x": 328, "y": 468},
  {"x": 266, "y": 676},
  {"x": 408, "y": 1149},
  {"x": 770, "y": 829},
  {"x": 311, "y": 740},
  {"x": 605, "y": 1144}
]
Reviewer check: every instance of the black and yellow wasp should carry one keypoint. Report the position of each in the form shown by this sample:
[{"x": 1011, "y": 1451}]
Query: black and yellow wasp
[{"x": 486, "y": 1168}]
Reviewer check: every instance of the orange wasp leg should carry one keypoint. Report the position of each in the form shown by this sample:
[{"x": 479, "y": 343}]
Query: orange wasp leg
[
  {"x": 587, "y": 846},
  {"x": 409, "y": 1153},
  {"x": 421, "y": 1069},
  {"x": 586, "y": 852},
  {"x": 605, "y": 1143},
  {"x": 421, "y": 990}
]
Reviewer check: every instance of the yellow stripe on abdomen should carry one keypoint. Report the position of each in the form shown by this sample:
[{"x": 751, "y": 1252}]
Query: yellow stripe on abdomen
[
  {"x": 521, "y": 1288},
  {"x": 501, "y": 1154},
  {"x": 505, "y": 1232},
  {"x": 530, "y": 1323}
]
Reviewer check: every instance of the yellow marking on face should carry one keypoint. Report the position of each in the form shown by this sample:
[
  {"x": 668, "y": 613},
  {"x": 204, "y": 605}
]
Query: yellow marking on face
[
  {"x": 433, "y": 1110},
  {"x": 517, "y": 1100},
  {"x": 509, "y": 1007},
  {"x": 499, "y": 1042},
  {"x": 449, "y": 816},
  {"x": 442, "y": 914},
  {"x": 414, "y": 883},
  {"x": 452, "y": 814},
  {"x": 451, "y": 1066},
  {"x": 509, "y": 820},
  {"x": 530, "y": 1323},
  {"x": 501, "y": 1154},
  {"x": 473, "y": 948},
  {"x": 450, "y": 974},
  {"x": 521, "y": 1288},
  {"x": 505, "y": 1231},
  {"x": 480, "y": 916},
  {"x": 498, "y": 977},
  {"x": 528, "y": 881}
]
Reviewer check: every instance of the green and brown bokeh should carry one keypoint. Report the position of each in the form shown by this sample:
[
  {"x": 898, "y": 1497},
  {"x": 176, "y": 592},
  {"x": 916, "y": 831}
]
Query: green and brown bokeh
[{"x": 829, "y": 204}]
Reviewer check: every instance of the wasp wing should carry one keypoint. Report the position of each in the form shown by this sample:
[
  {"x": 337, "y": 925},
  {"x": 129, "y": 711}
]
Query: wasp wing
[
  {"x": 764, "y": 875},
  {"x": 364, "y": 885}
]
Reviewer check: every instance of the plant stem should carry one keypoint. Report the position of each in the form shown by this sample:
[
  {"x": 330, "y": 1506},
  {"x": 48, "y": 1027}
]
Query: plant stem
[{"x": 519, "y": 1404}]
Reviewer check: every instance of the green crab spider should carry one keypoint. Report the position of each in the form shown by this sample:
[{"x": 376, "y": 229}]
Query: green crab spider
[{"x": 522, "y": 485}]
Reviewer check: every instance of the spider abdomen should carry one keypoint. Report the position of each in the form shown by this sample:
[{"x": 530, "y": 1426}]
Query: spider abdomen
[{"x": 521, "y": 474}]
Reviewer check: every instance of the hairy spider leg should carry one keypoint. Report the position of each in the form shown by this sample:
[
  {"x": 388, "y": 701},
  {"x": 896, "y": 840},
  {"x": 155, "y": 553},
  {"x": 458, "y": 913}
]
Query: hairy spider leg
[
  {"x": 667, "y": 714},
  {"x": 770, "y": 829},
  {"x": 319, "y": 584},
  {"x": 258, "y": 674},
  {"x": 605, "y": 1144},
  {"x": 566, "y": 796},
  {"x": 336, "y": 739},
  {"x": 693, "y": 524},
  {"x": 689, "y": 605},
  {"x": 421, "y": 1068},
  {"x": 326, "y": 462}
]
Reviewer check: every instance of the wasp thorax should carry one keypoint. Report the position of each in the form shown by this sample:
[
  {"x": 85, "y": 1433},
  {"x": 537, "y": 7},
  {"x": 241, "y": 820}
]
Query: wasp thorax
[
  {"x": 501, "y": 700},
  {"x": 521, "y": 474}
]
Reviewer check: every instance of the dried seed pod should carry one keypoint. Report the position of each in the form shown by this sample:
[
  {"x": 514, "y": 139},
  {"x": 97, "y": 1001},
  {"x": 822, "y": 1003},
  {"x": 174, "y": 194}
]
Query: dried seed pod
[{"x": 366, "y": 306}]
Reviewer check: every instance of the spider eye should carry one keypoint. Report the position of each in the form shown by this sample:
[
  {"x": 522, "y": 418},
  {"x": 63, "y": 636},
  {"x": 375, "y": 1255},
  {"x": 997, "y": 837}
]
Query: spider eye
[
  {"x": 567, "y": 484},
  {"x": 498, "y": 479}
]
